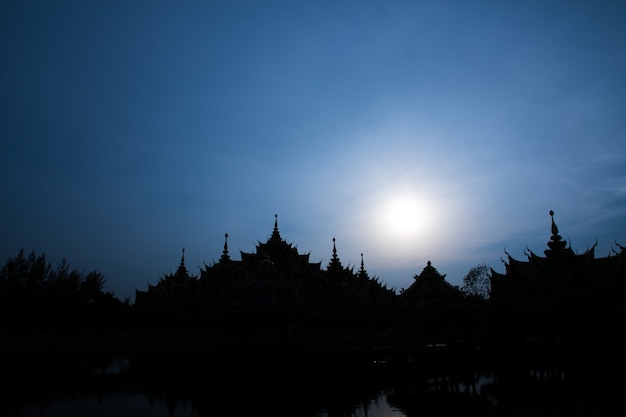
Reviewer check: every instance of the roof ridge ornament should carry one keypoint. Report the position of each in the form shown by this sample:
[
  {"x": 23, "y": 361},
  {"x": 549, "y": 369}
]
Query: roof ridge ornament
[
  {"x": 275, "y": 233},
  {"x": 555, "y": 229},
  {"x": 182, "y": 269},
  {"x": 362, "y": 271},
  {"x": 225, "y": 256},
  {"x": 556, "y": 245},
  {"x": 335, "y": 262}
]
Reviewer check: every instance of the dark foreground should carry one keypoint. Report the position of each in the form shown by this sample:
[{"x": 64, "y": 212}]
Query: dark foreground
[{"x": 331, "y": 376}]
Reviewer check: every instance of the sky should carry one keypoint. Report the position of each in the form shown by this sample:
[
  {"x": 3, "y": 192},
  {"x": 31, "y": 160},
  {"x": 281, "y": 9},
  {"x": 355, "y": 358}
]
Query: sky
[{"x": 409, "y": 131}]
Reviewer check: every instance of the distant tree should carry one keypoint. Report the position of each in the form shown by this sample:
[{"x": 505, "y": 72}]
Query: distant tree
[
  {"x": 34, "y": 295},
  {"x": 92, "y": 287},
  {"x": 476, "y": 284}
]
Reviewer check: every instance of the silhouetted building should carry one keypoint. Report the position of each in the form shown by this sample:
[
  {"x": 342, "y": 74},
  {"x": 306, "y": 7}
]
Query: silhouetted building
[
  {"x": 432, "y": 306},
  {"x": 272, "y": 290},
  {"x": 562, "y": 297}
]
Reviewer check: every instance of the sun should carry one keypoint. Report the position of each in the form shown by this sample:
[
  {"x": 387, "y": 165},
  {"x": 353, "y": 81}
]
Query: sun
[
  {"x": 403, "y": 222},
  {"x": 405, "y": 216}
]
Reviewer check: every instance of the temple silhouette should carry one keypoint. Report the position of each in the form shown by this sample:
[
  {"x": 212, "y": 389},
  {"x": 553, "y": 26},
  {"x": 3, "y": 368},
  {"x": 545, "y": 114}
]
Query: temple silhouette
[
  {"x": 550, "y": 322},
  {"x": 275, "y": 289},
  {"x": 561, "y": 297}
]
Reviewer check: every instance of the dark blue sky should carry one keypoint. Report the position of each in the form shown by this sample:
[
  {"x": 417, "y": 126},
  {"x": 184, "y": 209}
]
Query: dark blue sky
[{"x": 409, "y": 131}]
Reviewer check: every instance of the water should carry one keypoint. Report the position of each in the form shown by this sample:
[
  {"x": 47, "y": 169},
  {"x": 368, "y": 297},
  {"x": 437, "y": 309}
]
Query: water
[
  {"x": 121, "y": 405},
  {"x": 119, "y": 385}
]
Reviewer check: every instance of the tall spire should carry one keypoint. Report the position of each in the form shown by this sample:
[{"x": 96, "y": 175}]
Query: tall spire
[
  {"x": 335, "y": 263},
  {"x": 275, "y": 234},
  {"x": 362, "y": 271},
  {"x": 182, "y": 269},
  {"x": 225, "y": 257}
]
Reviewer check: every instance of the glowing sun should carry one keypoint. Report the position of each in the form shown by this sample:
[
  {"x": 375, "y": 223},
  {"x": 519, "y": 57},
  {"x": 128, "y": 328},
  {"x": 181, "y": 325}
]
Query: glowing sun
[{"x": 405, "y": 215}]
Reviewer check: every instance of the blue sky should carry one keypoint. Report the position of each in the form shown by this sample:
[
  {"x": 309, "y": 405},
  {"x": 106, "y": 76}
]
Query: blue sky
[{"x": 410, "y": 131}]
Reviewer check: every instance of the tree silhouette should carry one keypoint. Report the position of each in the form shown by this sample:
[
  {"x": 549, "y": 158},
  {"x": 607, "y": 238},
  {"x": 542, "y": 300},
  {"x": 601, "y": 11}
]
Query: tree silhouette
[
  {"x": 476, "y": 283},
  {"x": 34, "y": 296}
]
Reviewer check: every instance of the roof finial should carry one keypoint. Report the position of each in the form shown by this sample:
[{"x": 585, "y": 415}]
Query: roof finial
[
  {"x": 362, "y": 271},
  {"x": 275, "y": 234},
  {"x": 556, "y": 245},
  {"x": 225, "y": 256},
  {"x": 182, "y": 270},
  {"x": 555, "y": 230},
  {"x": 335, "y": 263}
]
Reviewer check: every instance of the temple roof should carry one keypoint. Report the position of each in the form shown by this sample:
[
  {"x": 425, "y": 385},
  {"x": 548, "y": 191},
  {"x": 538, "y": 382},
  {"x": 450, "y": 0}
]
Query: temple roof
[
  {"x": 561, "y": 279},
  {"x": 335, "y": 262},
  {"x": 277, "y": 249},
  {"x": 430, "y": 292},
  {"x": 430, "y": 282}
]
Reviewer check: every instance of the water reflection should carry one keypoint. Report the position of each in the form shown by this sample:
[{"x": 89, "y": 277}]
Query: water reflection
[{"x": 194, "y": 386}]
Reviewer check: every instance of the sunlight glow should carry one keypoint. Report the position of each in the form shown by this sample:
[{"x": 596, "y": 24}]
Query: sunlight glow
[
  {"x": 406, "y": 223},
  {"x": 405, "y": 215}
]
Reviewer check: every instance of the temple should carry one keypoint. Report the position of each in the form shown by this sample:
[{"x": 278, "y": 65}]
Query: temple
[
  {"x": 433, "y": 305},
  {"x": 273, "y": 289},
  {"x": 559, "y": 297},
  {"x": 562, "y": 296}
]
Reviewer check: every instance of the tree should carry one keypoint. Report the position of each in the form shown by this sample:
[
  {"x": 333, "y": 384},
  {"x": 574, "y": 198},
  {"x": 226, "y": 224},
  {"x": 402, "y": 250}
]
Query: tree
[
  {"x": 477, "y": 283},
  {"x": 34, "y": 295}
]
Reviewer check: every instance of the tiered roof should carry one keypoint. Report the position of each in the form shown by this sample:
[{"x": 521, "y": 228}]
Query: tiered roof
[
  {"x": 276, "y": 279},
  {"x": 431, "y": 292},
  {"x": 562, "y": 279}
]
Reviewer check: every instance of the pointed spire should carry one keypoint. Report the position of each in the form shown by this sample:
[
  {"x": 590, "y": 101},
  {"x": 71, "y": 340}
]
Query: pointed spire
[
  {"x": 362, "y": 271},
  {"x": 335, "y": 263},
  {"x": 555, "y": 244},
  {"x": 225, "y": 257},
  {"x": 275, "y": 234},
  {"x": 182, "y": 269}
]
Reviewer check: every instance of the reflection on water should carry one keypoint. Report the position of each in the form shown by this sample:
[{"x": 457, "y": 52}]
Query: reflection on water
[
  {"x": 140, "y": 404},
  {"x": 121, "y": 385},
  {"x": 131, "y": 404},
  {"x": 113, "y": 365}
]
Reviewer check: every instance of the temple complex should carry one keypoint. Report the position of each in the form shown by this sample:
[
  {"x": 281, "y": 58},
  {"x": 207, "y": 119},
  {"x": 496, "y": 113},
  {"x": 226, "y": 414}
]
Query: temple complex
[{"x": 560, "y": 297}]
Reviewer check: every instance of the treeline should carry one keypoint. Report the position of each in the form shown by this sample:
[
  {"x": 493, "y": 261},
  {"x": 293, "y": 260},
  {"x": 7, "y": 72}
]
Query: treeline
[{"x": 36, "y": 297}]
